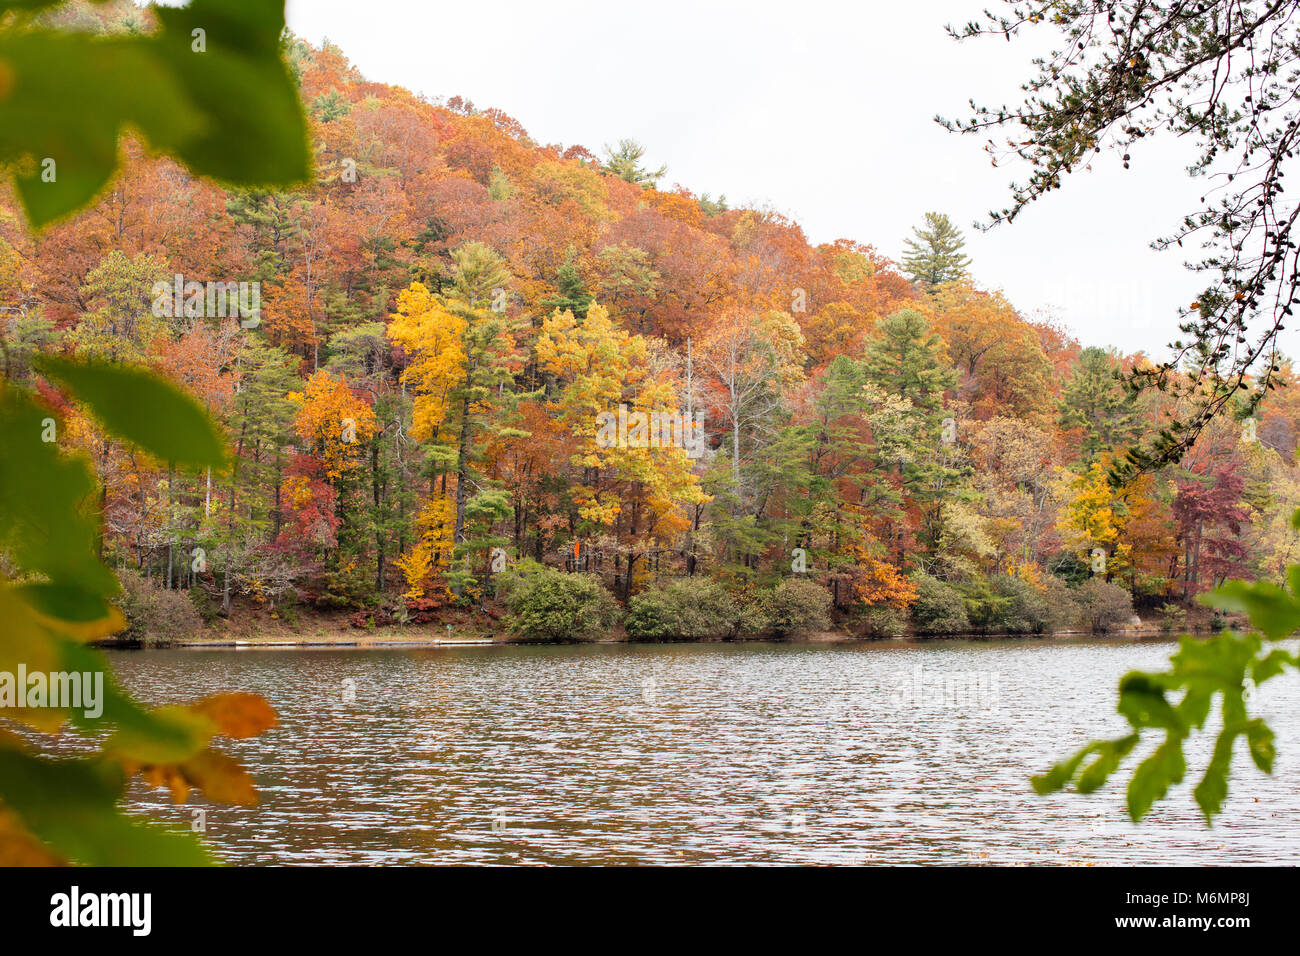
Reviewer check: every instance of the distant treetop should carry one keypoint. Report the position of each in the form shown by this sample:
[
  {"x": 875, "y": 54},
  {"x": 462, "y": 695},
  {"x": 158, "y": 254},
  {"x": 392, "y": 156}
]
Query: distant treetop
[
  {"x": 935, "y": 256},
  {"x": 624, "y": 161}
]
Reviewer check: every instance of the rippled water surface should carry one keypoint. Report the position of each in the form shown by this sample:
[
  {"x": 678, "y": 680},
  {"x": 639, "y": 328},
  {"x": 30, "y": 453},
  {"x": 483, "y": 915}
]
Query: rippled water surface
[{"x": 759, "y": 753}]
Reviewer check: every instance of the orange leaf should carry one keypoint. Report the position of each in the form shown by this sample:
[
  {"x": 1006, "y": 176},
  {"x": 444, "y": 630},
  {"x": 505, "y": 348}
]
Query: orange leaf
[
  {"x": 220, "y": 778},
  {"x": 237, "y": 715},
  {"x": 169, "y": 776},
  {"x": 20, "y": 848}
]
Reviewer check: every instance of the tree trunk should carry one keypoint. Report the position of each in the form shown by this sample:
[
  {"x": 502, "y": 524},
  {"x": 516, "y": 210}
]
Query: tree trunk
[
  {"x": 380, "y": 563},
  {"x": 462, "y": 476}
]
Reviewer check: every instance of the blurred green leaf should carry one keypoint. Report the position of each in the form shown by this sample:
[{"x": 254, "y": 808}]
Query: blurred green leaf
[
  {"x": 1272, "y": 665},
  {"x": 196, "y": 104},
  {"x": 210, "y": 88},
  {"x": 68, "y": 604},
  {"x": 171, "y": 735},
  {"x": 72, "y": 806},
  {"x": 254, "y": 131},
  {"x": 1111, "y": 753},
  {"x": 1142, "y": 701},
  {"x": 1213, "y": 788},
  {"x": 1203, "y": 670},
  {"x": 43, "y": 501},
  {"x": 1260, "y": 738},
  {"x": 1154, "y": 776},
  {"x": 1271, "y": 609},
  {"x": 142, "y": 408},
  {"x": 1060, "y": 775}
]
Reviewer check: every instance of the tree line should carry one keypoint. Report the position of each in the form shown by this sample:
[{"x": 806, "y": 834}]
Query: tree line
[{"x": 447, "y": 311}]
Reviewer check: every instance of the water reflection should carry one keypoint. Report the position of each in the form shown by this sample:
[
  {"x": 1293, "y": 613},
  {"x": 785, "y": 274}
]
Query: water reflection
[{"x": 700, "y": 753}]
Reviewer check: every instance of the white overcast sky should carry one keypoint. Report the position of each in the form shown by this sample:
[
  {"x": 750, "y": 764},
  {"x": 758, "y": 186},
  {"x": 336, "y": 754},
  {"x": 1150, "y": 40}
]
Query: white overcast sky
[{"x": 821, "y": 110}]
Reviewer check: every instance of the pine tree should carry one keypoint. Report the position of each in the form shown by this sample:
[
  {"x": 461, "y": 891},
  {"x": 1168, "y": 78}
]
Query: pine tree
[
  {"x": 936, "y": 256},
  {"x": 1096, "y": 401},
  {"x": 907, "y": 359},
  {"x": 624, "y": 161},
  {"x": 571, "y": 291}
]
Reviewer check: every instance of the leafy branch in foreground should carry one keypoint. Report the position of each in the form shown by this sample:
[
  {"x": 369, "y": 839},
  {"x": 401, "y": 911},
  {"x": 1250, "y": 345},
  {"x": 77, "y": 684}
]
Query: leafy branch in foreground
[
  {"x": 1202, "y": 670},
  {"x": 1221, "y": 76},
  {"x": 66, "y": 809},
  {"x": 210, "y": 88}
]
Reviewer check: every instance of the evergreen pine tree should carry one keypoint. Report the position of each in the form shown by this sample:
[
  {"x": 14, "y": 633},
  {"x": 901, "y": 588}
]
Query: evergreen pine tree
[
  {"x": 624, "y": 161},
  {"x": 1096, "y": 401},
  {"x": 571, "y": 291},
  {"x": 936, "y": 256},
  {"x": 907, "y": 359}
]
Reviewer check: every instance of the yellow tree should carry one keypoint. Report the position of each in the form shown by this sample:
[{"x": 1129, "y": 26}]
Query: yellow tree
[
  {"x": 1094, "y": 519},
  {"x": 432, "y": 337},
  {"x": 431, "y": 554},
  {"x": 463, "y": 351},
  {"x": 335, "y": 427},
  {"x": 877, "y": 583},
  {"x": 631, "y": 436},
  {"x": 334, "y": 424}
]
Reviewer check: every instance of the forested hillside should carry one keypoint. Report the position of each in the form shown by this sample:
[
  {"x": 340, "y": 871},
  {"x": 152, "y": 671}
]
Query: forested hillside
[{"x": 460, "y": 353}]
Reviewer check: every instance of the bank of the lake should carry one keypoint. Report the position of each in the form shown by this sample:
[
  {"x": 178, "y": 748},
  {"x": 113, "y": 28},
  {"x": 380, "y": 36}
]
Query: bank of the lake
[
  {"x": 259, "y": 628},
  {"x": 428, "y": 638}
]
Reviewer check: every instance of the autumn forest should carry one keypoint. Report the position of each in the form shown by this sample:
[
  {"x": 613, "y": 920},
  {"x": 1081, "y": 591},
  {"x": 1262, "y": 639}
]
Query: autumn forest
[{"x": 462, "y": 367}]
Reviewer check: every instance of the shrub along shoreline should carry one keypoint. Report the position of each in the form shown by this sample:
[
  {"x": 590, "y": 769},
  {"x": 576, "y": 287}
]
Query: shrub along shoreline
[{"x": 538, "y": 604}]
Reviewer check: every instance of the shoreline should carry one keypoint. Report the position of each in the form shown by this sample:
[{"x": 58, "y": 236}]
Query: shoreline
[{"x": 343, "y": 641}]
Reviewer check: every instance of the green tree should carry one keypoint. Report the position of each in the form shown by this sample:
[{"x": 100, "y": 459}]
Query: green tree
[
  {"x": 1097, "y": 402},
  {"x": 935, "y": 256},
  {"x": 331, "y": 106},
  {"x": 624, "y": 161},
  {"x": 500, "y": 188},
  {"x": 571, "y": 291},
  {"x": 243, "y": 515},
  {"x": 121, "y": 321},
  {"x": 907, "y": 359}
]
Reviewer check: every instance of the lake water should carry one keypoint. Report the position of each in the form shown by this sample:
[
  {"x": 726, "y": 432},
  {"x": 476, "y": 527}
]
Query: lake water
[{"x": 702, "y": 753}]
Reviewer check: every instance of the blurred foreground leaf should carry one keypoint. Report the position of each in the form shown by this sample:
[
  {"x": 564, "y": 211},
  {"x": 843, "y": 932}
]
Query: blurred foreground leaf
[
  {"x": 142, "y": 408},
  {"x": 1203, "y": 671},
  {"x": 209, "y": 88}
]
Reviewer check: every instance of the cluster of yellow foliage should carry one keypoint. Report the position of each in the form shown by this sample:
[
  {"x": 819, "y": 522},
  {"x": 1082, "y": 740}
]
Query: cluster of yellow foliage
[
  {"x": 1095, "y": 518},
  {"x": 604, "y": 365},
  {"x": 881, "y": 584},
  {"x": 433, "y": 552},
  {"x": 433, "y": 338}
]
